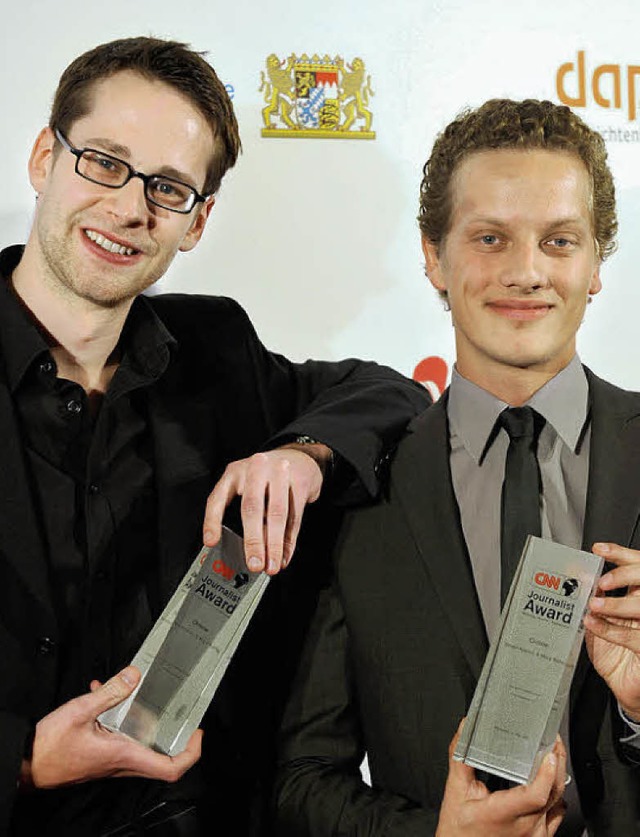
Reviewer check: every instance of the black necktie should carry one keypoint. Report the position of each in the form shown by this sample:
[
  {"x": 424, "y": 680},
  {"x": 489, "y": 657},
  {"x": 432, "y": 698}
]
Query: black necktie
[{"x": 520, "y": 489}]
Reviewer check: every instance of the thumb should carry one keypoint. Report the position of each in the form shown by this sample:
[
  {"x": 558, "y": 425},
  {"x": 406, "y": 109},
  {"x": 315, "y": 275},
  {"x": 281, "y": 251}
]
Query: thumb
[
  {"x": 461, "y": 775},
  {"x": 113, "y": 692},
  {"x": 462, "y": 779}
]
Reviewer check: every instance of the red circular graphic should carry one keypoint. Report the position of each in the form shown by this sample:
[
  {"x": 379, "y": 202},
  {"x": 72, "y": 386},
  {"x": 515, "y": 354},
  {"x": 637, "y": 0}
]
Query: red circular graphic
[{"x": 432, "y": 372}]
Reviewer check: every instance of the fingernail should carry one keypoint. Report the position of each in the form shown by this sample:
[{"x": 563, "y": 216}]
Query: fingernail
[
  {"x": 254, "y": 564},
  {"x": 597, "y": 603},
  {"x": 602, "y": 547},
  {"x": 207, "y": 536},
  {"x": 128, "y": 675},
  {"x": 552, "y": 759},
  {"x": 273, "y": 567}
]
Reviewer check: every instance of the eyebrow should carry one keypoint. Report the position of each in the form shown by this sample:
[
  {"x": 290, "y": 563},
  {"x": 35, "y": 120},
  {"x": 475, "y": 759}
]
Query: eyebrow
[
  {"x": 125, "y": 152},
  {"x": 568, "y": 220},
  {"x": 110, "y": 146}
]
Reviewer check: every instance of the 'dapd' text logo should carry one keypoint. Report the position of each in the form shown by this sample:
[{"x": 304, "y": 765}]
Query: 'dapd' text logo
[
  {"x": 316, "y": 97},
  {"x": 607, "y": 85}
]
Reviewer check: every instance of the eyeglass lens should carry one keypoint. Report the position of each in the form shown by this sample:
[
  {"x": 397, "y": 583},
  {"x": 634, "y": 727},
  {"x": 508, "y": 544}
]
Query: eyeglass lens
[{"x": 109, "y": 171}]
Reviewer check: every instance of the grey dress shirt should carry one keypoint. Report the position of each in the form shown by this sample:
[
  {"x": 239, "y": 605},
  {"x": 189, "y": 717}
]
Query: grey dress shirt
[{"x": 478, "y": 455}]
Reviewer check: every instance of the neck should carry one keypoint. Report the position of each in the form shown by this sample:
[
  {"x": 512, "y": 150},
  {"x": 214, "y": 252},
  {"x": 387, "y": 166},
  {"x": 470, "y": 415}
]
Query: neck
[
  {"x": 83, "y": 335},
  {"x": 511, "y": 384}
]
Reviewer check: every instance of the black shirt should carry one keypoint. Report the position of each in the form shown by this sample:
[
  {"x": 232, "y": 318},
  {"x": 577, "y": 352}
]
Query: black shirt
[
  {"x": 91, "y": 472},
  {"x": 92, "y": 481}
]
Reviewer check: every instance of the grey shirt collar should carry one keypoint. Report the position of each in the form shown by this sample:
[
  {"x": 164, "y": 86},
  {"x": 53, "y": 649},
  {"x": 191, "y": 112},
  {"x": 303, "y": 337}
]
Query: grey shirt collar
[{"x": 563, "y": 402}]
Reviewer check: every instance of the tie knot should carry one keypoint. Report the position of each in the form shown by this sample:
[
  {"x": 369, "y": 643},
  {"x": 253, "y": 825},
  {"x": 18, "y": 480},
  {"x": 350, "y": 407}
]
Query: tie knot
[{"x": 519, "y": 422}]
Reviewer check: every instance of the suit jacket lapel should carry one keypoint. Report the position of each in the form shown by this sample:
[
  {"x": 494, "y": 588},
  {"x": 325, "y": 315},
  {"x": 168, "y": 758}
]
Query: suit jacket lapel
[
  {"x": 613, "y": 494},
  {"x": 20, "y": 539},
  {"x": 426, "y": 493}
]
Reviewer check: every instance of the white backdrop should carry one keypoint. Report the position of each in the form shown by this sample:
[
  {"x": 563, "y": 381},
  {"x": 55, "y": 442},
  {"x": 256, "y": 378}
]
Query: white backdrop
[{"x": 317, "y": 238}]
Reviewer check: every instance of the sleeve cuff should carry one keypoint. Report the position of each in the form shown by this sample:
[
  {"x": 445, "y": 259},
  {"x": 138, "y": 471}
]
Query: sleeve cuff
[{"x": 632, "y": 729}]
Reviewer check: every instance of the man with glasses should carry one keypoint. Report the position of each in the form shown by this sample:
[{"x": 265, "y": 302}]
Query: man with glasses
[{"x": 118, "y": 414}]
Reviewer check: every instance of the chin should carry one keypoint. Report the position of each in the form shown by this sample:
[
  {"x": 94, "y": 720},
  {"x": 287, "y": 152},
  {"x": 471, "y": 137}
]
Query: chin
[
  {"x": 526, "y": 360},
  {"x": 108, "y": 297}
]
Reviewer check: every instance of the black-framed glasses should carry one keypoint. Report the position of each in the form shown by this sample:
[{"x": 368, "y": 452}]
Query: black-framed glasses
[{"x": 114, "y": 173}]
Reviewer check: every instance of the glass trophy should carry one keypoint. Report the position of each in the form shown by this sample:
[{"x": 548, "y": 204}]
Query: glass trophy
[
  {"x": 186, "y": 654},
  {"x": 524, "y": 686}
]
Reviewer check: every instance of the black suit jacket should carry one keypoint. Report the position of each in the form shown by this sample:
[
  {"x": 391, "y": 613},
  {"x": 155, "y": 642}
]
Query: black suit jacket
[
  {"x": 223, "y": 397},
  {"x": 398, "y": 644}
]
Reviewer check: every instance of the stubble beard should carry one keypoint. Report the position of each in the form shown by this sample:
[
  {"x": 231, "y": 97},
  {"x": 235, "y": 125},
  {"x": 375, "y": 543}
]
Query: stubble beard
[{"x": 68, "y": 277}]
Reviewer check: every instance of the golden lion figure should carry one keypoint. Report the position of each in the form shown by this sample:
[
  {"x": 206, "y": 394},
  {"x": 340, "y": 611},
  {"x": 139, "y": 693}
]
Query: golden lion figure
[
  {"x": 354, "y": 94},
  {"x": 279, "y": 92}
]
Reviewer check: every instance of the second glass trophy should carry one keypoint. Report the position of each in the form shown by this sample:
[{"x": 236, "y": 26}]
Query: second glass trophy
[{"x": 523, "y": 689}]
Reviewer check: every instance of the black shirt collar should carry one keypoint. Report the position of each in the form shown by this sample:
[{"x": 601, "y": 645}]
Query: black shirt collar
[{"x": 145, "y": 341}]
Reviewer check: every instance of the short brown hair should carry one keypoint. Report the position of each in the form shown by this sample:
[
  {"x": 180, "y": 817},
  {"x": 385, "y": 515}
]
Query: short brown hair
[
  {"x": 504, "y": 123},
  {"x": 170, "y": 62}
]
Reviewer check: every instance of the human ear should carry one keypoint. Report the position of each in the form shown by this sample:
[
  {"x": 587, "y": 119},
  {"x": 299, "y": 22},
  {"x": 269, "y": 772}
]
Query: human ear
[
  {"x": 432, "y": 265},
  {"x": 595, "y": 285},
  {"x": 198, "y": 224},
  {"x": 41, "y": 159}
]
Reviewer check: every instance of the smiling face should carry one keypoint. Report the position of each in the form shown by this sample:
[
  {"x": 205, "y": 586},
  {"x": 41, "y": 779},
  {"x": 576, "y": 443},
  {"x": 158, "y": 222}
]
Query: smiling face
[
  {"x": 518, "y": 263},
  {"x": 107, "y": 245}
]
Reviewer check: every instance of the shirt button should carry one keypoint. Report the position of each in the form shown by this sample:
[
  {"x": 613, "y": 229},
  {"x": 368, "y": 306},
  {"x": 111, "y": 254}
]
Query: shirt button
[
  {"x": 46, "y": 646},
  {"x": 93, "y": 488},
  {"x": 46, "y": 366},
  {"x": 74, "y": 406}
]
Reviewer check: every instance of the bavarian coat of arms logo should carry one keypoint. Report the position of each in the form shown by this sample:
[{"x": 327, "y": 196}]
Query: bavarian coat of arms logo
[{"x": 316, "y": 97}]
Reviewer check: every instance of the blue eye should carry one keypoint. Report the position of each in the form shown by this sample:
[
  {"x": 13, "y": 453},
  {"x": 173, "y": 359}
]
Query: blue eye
[
  {"x": 489, "y": 239},
  {"x": 169, "y": 192},
  {"x": 166, "y": 189},
  {"x": 104, "y": 163},
  {"x": 102, "y": 168}
]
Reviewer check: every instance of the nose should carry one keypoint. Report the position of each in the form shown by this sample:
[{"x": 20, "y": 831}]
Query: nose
[
  {"x": 525, "y": 267},
  {"x": 129, "y": 203}
]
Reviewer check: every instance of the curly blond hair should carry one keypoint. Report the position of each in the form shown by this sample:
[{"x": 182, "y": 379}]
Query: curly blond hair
[{"x": 529, "y": 124}]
